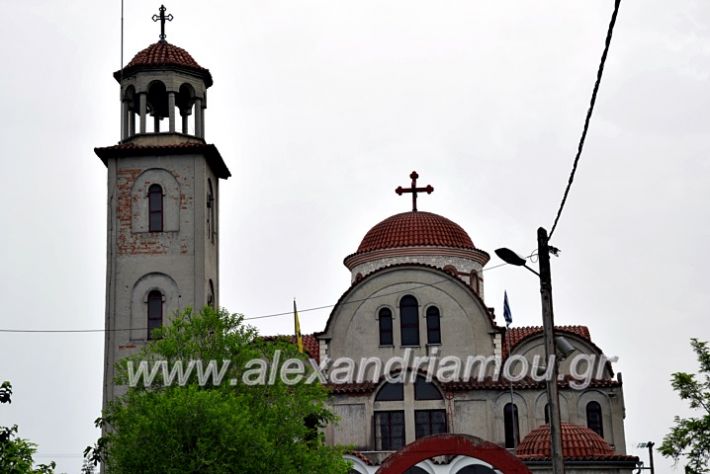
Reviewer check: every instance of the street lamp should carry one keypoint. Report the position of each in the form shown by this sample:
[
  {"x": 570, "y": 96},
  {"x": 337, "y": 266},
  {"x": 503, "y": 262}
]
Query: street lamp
[
  {"x": 548, "y": 325},
  {"x": 649, "y": 445}
]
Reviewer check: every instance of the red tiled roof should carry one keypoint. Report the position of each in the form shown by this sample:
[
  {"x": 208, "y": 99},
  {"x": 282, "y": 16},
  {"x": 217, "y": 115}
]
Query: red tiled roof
[
  {"x": 577, "y": 442},
  {"x": 525, "y": 384},
  {"x": 516, "y": 335},
  {"x": 123, "y": 150},
  {"x": 414, "y": 229},
  {"x": 361, "y": 457},
  {"x": 311, "y": 345},
  {"x": 164, "y": 54},
  {"x": 361, "y": 388}
]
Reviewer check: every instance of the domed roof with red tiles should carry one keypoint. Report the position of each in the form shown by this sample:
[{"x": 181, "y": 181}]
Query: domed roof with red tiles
[
  {"x": 163, "y": 53},
  {"x": 415, "y": 229},
  {"x": 577, "y": 442}
]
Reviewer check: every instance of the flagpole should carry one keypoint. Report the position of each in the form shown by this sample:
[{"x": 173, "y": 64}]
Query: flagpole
[
  {"x": 508, "y": 321},
  {"x": 512, "y": 403}
]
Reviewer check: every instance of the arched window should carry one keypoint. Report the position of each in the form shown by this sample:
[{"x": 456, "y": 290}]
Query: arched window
[
  {"x": 155, "y": 208},
  {"x": 424, "y": 390},
  {"x": 595, "y": 422},
  {"x": 433, "y": 325},
  {"x": 210, "y": 295},
  {"x": 512, "y": 429},
  {"x": 155, "y": 311},
  {"x": 385, "y": 321},
  {"x": 211, "y": 225},
  {"x": 409, "y": 320},
  {"x": 475, "y": 281},
  {"x": 390, "y": 392}
]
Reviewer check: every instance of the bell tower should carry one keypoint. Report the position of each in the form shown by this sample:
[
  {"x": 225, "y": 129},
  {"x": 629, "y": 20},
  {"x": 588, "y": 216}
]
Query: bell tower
[{"x": 163, "y": 200}]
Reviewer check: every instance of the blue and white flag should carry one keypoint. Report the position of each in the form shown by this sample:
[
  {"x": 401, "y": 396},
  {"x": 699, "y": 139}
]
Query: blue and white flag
[{"x": 506, "y": 310}]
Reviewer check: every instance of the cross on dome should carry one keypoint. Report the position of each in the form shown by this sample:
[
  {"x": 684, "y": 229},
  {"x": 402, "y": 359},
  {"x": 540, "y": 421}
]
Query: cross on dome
[
  {"x": 162, "y": 18},
  {"x": 414, "y": 190}
]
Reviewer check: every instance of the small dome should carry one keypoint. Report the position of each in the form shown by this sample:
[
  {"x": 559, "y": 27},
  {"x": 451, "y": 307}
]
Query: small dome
[
  {"x": 163, "y": 54},
  {"x": 415, "y": 229},
  {"x": 577, "y": 442}
]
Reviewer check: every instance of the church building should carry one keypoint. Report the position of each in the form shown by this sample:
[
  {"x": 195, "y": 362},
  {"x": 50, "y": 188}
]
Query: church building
[{"x": 416, "y": 287}]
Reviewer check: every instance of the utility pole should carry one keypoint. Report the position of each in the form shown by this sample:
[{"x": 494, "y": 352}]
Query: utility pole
[{"x": 548, "y": 323}]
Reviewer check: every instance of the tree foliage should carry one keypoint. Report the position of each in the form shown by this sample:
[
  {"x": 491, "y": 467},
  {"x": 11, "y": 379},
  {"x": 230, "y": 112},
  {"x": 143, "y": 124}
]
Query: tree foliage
[
  {"x": 16, "y": 454},
  {"x": 690, "y": 437},
  {"x": 215, "y": 428}
]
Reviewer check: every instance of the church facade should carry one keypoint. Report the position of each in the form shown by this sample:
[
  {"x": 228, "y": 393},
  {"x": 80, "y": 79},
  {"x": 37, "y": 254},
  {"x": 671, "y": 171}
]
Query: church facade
[{"x": 416, "y": 290}]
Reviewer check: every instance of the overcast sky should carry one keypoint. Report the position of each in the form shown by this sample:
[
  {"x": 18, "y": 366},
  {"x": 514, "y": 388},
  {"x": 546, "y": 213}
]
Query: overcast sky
[{"x": 321, "y": 109}]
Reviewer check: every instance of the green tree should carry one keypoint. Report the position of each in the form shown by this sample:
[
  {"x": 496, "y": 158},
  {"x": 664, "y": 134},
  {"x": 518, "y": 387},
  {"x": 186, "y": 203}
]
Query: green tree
[
  {"x": 16, "y": 454},
  {"x": 215, "y": 428},
  {"x": 690, "y": 437}
]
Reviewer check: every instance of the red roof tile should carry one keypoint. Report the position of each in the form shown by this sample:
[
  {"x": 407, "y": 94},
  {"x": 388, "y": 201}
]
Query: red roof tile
[
  {"x": 414, "y": 229},
  {"x": 164, "y": 54},
  {"x": 311, "y": 346},
  {"x": 516, "y": 335},
  {"x": 578, "y": 442},
  {"x": 525, "y": 384}
]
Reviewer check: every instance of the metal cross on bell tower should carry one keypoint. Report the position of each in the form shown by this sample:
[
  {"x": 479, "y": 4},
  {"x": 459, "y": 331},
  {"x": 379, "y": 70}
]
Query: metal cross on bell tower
[
  {"x": 414, "y": 190},
  {"x": 162, "y": 17}
]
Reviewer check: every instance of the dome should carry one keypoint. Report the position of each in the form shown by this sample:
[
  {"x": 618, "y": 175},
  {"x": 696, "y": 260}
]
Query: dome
[
  {"x": 415, "y": 229},
  {"x": 163, "y": 54},
  {"x": 577, "y": 442}
]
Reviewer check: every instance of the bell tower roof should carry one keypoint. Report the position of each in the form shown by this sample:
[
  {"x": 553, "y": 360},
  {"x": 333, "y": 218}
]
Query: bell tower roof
[{"x": 164, "y": 56}]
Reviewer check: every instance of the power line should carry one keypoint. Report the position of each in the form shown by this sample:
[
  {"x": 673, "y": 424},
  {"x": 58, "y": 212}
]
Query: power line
[
  {"x": 590, "y": 110},
  {"x": 265, "y": 316}
]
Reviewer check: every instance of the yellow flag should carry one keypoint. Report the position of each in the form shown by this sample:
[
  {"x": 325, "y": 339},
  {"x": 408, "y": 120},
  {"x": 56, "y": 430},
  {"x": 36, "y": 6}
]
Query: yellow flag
[{"x": 297, "y": 327}]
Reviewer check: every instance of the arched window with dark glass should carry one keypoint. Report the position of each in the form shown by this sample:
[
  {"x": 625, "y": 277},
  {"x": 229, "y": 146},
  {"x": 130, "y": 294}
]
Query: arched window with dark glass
[
  {"x": 155, "y": 311},
  {"x": 424, "y": 390},
  {"x": 385, "y": 322},
  {"x": 433, "y": 325},
  {"x": 409, "y": 320},
  {"x": 595, "y": 421},
  {"x": 155, "y": 208},
  {"x": 390, "y": 392},
  {"x": 512, "y": 428}
]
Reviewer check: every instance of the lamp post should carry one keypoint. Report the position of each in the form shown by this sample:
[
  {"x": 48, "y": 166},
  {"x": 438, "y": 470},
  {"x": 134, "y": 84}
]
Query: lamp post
[
  {"x": 548, "y": 324},
  {"x": 649, "y": 445}
]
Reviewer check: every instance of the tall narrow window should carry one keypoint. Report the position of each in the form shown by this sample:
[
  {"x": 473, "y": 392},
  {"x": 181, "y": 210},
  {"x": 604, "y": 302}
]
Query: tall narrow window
[
  {"x": 429, "y": 422},
  {"x": 547, "y": 413},
  {"x": 433, "y": 325},
  {"x": 510, "y": 420},
  {"x": 475, "y": 281},
  {"x": 210, "y": 295},
  {"x": 385, "y": 320},
  {"x": 389, "y": 430},
  {"x": 155, "y": 208},
  {"x": 409, "y": 320},
  {"x": 595, "y": 421},
  {"x": 155, "y": 311},
  {"x": 211, "y": 225}
]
